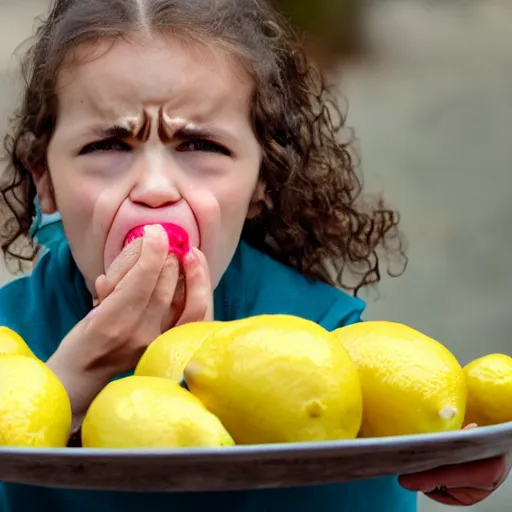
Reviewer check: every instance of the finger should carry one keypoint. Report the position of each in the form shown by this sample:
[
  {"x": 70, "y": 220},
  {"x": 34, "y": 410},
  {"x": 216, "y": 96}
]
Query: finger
[
  {"x": 178, "y": 301},
  {"x": 459, "y": 497},
  {"x": 102, "y": 290},
  {"x": 131, "y": 296},
  {"x": 198, "y": 289},
  {"x": 124, "y": 262},
  {"x": 159, "y": 306},
  {"x": 485, "y": 475}
]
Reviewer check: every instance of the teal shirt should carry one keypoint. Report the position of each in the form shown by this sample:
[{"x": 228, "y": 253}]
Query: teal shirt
[{"x": 43, "y": 306}]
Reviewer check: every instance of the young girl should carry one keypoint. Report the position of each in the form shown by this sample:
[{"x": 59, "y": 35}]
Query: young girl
[{"x": 206, "y": 114}]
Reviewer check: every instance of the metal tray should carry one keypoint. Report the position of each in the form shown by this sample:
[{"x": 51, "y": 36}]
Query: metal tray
[{"x": 249, "y": 467}]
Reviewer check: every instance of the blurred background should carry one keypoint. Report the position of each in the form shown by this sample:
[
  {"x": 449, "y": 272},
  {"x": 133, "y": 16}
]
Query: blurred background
[{"x": 428, "y": 85}]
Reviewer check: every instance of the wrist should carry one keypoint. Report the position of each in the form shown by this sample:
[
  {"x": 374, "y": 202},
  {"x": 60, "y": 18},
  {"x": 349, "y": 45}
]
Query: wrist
[{"x": 81, "y": 385}]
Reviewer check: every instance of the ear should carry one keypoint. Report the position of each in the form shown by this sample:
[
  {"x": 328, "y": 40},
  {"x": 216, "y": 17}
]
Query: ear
[
  {"x": 45, "y": 194},
  {"x": 40, "y": 174},
  {"x": 259, "y": 198}
]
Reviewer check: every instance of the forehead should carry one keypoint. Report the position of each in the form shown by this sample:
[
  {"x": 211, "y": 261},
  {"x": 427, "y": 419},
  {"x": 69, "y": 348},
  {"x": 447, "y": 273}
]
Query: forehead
[{"x": 191, "y": 81}]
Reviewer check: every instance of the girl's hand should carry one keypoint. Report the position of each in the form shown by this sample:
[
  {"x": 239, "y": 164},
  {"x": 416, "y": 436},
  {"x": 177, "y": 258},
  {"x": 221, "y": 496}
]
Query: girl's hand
[
  {"x": 139, "y": 297},
  {"x": 462, "y": 484},
  {"x": 193, "y": 294}
]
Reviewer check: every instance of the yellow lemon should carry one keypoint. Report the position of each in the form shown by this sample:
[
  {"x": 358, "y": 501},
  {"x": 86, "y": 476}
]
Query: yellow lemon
[
  {"x": 489, "y": 381},
  {"x": 277, "y": 378},
  {"x": 150, "y": 412},
  {"x": 12, "y": 343},
  {"x": 168, "y": 354},
  {"x": 411, "y": 383},
  {"x": 34, "y": 406}
]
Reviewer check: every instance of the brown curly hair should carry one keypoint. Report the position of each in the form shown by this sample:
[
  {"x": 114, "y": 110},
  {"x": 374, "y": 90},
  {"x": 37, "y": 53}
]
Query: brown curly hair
[{"x": 313, "y": 218}]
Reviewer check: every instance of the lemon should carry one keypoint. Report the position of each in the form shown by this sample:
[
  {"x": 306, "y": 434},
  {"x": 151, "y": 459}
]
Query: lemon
[
  {"x": 150, "y": 412},
  {"x": 34, "y": 406},
  {"x": 277, "y": 378},
  {"x": 489, "y": 381},
  {"x": 411, "y": 383},
  {"x": 12, "y": 343},
  {"x": 168, "y": 354}
]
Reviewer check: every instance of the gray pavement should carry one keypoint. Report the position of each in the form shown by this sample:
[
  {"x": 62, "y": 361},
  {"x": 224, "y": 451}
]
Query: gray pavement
[{"x": 432, "y": 110}]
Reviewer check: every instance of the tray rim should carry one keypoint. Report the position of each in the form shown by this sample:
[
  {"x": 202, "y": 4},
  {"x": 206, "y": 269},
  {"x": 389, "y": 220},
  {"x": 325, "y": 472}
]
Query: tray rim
[{"x": 317, "y": 449}]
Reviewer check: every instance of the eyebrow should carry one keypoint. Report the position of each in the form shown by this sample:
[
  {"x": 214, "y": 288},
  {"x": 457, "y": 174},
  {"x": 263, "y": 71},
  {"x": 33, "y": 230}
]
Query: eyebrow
[
  {"x": 190, "y": 132},
  {"x": 112, "y": 131},
  {"x": 187, "y": 132}
]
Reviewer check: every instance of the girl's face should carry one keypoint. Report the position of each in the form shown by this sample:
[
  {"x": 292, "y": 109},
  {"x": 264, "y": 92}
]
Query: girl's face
[{"x": 152, "y": 132}]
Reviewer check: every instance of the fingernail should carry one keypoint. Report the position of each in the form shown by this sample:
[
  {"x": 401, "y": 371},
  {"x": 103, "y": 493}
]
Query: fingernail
[
  {"x": 152, "y": 229},
  {"x": 191, "y": 255},
  {"x": 464, "y": 497}
]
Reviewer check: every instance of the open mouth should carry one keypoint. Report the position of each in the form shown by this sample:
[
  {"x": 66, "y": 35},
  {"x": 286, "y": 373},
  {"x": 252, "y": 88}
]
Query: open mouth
[{"x": 179, "y": 243}]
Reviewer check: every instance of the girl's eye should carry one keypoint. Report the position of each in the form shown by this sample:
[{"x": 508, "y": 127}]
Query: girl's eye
[
  {"x": 105, "y": 145},
  {"x": 203, "y": 145}
]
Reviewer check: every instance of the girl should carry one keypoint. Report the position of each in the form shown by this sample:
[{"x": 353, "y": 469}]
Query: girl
[{"x": 206, "y": 114}]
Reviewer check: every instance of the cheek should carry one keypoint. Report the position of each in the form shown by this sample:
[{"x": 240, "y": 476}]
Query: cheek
[
  {"x": 223, "y": 195},
  {"x": 87, "y": 208},
  {"x": 75, "y": 202},
  {"x": 76, "y": 207},
  {"x": 220, "y": 208},
  {"x": 75, "y": 195},
  {"x": 234, "y": 197},
  {"x": 222, "y": 204},
  {"x": 205, "y": 208},
  {"x": 107, "y": 204}
]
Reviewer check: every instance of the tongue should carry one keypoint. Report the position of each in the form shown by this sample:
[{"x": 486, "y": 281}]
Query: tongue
[{"x": 178, "y": 238}]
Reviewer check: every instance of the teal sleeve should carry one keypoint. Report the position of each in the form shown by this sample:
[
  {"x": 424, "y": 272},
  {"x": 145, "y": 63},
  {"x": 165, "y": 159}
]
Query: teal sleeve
[
  {"x": 16, "y": 305},
  {"x": 22, "y": 309},
  {"x": 25, "y": 300},
  {"x": 49, "y": 232},
  {"x": 44, "y": 305},
  {"x": 342, "y": 313}
]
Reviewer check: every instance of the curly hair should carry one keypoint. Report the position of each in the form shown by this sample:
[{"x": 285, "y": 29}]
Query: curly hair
[{"x": 314, "y": 217}]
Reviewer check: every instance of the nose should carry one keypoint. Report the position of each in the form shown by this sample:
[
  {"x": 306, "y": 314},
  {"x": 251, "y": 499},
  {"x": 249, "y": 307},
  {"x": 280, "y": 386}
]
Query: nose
[{"x": 156, "y": 180}]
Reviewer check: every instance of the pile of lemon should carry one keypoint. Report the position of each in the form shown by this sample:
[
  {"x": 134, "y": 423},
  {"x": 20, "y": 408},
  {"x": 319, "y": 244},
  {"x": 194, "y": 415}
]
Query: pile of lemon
[{"x": 264, "y": 379}]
